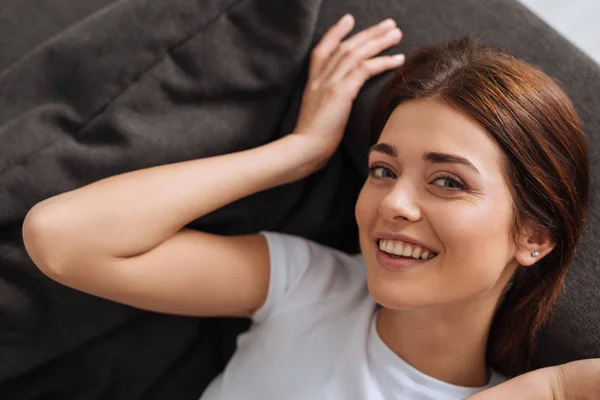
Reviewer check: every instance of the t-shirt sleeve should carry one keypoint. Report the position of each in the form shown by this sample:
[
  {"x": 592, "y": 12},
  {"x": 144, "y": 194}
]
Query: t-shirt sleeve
[
  {"x": 289, "y": 257},
  {"x": 303, "y": 272}
]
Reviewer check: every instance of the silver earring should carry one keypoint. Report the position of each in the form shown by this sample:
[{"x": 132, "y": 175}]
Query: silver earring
[{"x": 535, "y": 253}]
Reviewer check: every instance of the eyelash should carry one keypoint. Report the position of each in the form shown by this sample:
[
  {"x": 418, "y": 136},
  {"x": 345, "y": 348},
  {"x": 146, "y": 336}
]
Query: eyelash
[
  {"x": 460, "y": 185},
  {"x": 374, "y": 167}
]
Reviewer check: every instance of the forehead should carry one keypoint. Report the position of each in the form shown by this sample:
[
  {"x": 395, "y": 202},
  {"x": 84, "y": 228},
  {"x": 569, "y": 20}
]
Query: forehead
[{"x": 427, "y": 125}]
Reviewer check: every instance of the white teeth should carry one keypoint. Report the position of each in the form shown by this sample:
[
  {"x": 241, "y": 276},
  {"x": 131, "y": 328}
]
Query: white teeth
[
  {"x": 389, "y": 246},
  {"x": 399, "y": 248},
  {"x": 416, "y": 253}
]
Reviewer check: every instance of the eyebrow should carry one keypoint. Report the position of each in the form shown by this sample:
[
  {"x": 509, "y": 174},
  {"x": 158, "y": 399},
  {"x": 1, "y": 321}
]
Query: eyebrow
[
  {"x": 431, "y": 157},
  {"x": 384, "y": 148}
]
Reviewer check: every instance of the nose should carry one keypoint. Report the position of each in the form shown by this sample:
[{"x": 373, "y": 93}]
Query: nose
[{"x": 400, "y": 204}]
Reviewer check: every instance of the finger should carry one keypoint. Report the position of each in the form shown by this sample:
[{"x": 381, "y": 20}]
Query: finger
[
  {"x": 363, "y": 52},
  {"x": 330, "y": 42},
  {"x": 370, "y": 33},
  {"x": 368, "y": 69},
  {"x": 356, "y": 40}
]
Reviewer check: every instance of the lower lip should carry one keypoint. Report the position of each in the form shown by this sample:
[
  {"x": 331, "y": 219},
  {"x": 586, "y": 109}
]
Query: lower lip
[{"x": 396, "y": 264}]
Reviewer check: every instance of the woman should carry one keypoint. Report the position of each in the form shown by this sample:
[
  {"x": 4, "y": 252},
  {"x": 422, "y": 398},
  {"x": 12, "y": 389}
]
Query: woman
[{"x": 468, "y": 221}]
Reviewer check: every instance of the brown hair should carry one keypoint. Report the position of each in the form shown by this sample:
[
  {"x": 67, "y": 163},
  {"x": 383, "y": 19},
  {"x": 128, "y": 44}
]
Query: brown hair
[{"x": 546, "y": 163}]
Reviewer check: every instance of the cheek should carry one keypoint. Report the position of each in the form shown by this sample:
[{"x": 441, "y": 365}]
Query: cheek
[
  {"x": 476, "y": 247},
  {"x": 474, "y": 237},
  {"x": 466, "y": 225},
  {"x": 366, "y": 213},
  {"x": 476, "y": 240},
  {"x": 366, "y": 208}
]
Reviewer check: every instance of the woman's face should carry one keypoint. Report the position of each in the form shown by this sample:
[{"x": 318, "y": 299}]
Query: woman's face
[{"x": 436, "y": 180}]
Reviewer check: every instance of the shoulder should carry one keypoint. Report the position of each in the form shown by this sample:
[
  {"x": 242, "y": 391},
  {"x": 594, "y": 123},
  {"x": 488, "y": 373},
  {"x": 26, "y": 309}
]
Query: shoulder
[
  {"x": 306, "y": 273},
  {"x": 285, "y": 248}
]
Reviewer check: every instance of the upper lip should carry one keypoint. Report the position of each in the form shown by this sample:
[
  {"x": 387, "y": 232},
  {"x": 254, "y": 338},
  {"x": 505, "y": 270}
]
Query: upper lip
[{"x": 403, "y": 238}]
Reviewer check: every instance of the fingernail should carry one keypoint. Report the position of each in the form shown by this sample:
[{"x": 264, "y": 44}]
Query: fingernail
[
  {"x": 388, "y": 23},
  {"x": 393, "y": 33},
  {"x": 399, "y": 58},
  {"x": 346, "y": 18}
]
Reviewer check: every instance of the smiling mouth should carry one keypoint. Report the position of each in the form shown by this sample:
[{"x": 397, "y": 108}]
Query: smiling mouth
[{"x": 399, "y": 249}]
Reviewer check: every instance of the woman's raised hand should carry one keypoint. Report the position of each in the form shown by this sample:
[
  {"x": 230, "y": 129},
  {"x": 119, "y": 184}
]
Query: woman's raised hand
[{"x": 338, "y": 69}]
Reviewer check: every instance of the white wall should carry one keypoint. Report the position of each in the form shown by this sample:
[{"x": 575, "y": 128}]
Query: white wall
[{"x": 578, "y": 20}]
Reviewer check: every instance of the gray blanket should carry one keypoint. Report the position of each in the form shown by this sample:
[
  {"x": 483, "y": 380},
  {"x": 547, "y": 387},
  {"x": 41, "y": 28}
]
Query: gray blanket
[{"x": 91, "y": 89}]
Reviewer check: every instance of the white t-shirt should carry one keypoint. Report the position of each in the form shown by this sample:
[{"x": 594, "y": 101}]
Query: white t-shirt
[{"x": 315, "y": 337}]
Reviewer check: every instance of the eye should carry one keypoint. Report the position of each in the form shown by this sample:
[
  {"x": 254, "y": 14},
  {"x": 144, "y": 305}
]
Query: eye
[
  {"x": 449, "y": 182},
  {"x": 379, "y": 171}
]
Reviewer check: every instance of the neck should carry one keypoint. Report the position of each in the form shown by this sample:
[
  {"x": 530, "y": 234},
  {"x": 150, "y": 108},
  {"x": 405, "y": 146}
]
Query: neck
[{"x": 447, "y": 343}]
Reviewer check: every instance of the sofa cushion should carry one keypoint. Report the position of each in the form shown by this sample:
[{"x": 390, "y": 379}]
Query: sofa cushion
[{"x": 137, "y": 83}]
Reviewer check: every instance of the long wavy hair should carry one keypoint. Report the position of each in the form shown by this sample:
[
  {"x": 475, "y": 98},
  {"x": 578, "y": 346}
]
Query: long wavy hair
[{"x": 545, "y": 162}]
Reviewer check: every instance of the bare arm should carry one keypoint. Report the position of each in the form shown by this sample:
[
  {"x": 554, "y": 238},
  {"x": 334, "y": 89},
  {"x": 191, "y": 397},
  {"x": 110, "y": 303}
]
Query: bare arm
[
  {"x": 123, "y": 238},
  {"x": 127, "y": 215},
  {"x": 535, "y": 385},
  {"x": 577, "y": 380}
]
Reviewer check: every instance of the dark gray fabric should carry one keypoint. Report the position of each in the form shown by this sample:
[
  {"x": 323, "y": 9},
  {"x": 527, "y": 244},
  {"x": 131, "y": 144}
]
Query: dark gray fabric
[
  {"x": 113, "y": 86},
  {"x": 27, "y": 24}
]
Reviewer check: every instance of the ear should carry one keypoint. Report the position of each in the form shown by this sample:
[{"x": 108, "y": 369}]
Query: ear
[{"x": 533, "y": 239}]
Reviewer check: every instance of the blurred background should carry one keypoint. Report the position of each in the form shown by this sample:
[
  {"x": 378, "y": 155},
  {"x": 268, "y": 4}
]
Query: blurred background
[{"x": 575, "y": 19}]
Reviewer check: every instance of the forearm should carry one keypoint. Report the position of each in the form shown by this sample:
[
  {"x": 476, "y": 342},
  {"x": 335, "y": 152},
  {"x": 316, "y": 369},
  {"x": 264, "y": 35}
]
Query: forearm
[
  {"x": 131, "y": 213},
  {"x": 540, "y": 384}
]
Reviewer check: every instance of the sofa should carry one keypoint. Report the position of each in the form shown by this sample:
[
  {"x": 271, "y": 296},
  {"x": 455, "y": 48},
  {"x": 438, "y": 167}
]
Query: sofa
[{"x": 89, "y": 89}]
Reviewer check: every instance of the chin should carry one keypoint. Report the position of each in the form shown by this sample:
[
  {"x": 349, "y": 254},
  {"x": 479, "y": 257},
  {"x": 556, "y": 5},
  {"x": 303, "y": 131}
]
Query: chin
[{"x": 399, "y": 292}]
